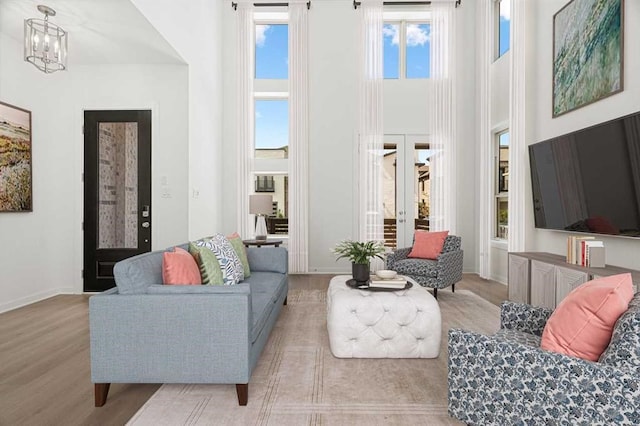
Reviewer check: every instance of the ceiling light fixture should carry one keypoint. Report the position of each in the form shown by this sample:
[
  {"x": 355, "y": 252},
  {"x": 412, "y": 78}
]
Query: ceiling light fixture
[{"x": 45, "y": 43}]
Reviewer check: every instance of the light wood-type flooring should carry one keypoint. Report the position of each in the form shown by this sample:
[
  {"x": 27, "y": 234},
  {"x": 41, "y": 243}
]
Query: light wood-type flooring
[{"x": 45, "y": 376}]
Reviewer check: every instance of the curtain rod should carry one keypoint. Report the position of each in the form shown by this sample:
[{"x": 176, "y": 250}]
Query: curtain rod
[
  {"x": 402, "y": 3},
  {"x": 235, "y": 5}
]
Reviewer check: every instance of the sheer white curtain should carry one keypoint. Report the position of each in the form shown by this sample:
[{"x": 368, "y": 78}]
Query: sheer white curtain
[
  {"x": 298, "y": 138},
  {"x": 517, "y": 127},
  {"x": 486, "y": 139},
  {"x": 244, "y": 114},
  {"x": 370, "y": 129},
  {"x": 442, "y": 163}
]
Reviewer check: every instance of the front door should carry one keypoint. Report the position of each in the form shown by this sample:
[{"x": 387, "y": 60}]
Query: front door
[
  {"x": 117, "y": 192},
  {"x": 405, "y": 188}
]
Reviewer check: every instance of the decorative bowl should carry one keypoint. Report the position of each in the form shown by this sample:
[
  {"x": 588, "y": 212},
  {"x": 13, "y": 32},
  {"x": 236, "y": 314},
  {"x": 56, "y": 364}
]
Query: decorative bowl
[{"x": 386, "y": 274}]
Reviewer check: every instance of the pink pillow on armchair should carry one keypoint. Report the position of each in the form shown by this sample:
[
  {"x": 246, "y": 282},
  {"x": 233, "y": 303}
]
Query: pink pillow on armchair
[
  {"x": 428, "y": 245},
  {"x": 582, "y": 324},
  {"x": 180, "y": 268}
]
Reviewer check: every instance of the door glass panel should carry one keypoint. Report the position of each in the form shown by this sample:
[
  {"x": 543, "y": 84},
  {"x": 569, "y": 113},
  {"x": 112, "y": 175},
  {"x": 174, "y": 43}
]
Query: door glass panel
[
  {"x": 389, "y": 191},
  {"x": 118, "y": 185},
  {"x": 422, "y": 186}
]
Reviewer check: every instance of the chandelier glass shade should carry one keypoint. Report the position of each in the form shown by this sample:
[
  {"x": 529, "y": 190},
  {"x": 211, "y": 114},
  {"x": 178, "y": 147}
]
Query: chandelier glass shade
[{"x": 45, "y": 43}]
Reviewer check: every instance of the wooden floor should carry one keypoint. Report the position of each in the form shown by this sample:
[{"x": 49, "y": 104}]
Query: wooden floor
[{"x": 45, "y": 376}]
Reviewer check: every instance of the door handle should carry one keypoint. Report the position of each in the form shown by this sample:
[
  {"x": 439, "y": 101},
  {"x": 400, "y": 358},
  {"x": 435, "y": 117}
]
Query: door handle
[
  {"x": 401, "y": 220},
  {"x": 145, "y": 224}
]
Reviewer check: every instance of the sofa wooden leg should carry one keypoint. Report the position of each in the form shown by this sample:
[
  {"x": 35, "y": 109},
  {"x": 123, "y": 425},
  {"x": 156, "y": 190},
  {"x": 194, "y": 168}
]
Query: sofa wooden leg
[
  {"x": 243, "y": 393},
  {"x": 101, "y": 390},
  {"x": 435, "y": 293},
  {"x": 453, "y": 288},
  {"x": 285, "y": 301}
]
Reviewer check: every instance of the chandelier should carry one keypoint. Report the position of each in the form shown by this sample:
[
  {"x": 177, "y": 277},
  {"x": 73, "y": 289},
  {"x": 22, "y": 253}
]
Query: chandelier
[{"x": 45, "y": 43}]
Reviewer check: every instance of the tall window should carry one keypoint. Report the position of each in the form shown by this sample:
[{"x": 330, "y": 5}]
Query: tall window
[
  {"x": 503, "y": 26},
  {"x": 407, "y": 48},
  {"x": 271, "y": 125},
  {"x": 502, "y": 185}
]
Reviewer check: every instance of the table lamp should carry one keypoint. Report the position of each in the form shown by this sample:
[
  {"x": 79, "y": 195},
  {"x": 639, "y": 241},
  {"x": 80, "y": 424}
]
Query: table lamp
[{"x": 261, "y": 205}]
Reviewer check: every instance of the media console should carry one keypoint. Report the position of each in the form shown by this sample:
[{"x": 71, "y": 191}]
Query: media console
[{"x": 544, "y": 279}]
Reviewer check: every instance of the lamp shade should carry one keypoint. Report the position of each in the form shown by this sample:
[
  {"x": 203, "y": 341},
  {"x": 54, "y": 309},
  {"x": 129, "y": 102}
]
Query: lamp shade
[{"x": 260, "y": 204}]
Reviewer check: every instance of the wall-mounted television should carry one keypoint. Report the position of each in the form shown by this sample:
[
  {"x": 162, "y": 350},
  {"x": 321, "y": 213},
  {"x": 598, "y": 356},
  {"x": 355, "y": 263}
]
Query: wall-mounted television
[{"x": 589, "y": 180}]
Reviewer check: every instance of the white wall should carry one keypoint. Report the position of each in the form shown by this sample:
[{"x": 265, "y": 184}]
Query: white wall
[
  {"x": 333, "y": 91},
  {"x": 619, "y": 251},
  {"x": 194, "y": 29},
  {"x": 41, "y": 252}
]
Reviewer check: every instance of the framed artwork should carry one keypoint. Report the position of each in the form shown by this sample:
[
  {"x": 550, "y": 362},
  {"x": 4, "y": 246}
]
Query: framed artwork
[
  {"x": 587, "y": 53},
  {"x": 15, "y": 159}
]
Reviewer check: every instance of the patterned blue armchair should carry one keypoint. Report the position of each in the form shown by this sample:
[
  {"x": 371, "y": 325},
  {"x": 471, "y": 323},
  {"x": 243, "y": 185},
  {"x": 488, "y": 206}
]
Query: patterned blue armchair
[
  {"x": 506, "y": 379},
  {"x": 435, "y": 274}
]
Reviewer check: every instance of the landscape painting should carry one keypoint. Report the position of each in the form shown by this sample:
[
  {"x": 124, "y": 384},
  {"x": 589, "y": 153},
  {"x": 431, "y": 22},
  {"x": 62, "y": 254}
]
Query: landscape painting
[
  {"x": 587, "y": 53},
  {"x": 15, "y": 159}
]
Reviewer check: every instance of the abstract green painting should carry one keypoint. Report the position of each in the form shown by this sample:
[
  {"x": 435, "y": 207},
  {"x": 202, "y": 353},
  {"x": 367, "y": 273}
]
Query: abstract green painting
[{"x": 587, "y": 53}]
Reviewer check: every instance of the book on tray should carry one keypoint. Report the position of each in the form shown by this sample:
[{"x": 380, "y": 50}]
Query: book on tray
[{"x": 397, "y": 282}]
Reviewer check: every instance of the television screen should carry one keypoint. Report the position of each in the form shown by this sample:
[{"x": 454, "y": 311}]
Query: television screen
[{"x": 589, "y": 180}]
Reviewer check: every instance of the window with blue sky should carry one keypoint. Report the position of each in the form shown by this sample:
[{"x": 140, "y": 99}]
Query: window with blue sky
[
  {"x": 408, "y": 41},
  {"x": 272, "y": 51},
  {"x": 272, "y": 125},
  {"x": 504, "y": 26}
]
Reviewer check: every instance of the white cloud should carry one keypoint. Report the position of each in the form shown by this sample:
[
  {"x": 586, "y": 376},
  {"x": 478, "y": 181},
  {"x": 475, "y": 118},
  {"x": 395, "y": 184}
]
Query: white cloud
[
  {"x": 505, "y": 9},
  {"x": 417, "y": 36},
  {"x": 260, "y": 34},
  {"x": 391, "y": 31}
]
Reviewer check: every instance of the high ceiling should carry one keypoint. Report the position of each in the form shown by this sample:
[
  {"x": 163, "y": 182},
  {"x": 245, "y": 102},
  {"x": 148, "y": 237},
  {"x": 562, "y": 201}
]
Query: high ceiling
[{"x": 100, "y": 31}]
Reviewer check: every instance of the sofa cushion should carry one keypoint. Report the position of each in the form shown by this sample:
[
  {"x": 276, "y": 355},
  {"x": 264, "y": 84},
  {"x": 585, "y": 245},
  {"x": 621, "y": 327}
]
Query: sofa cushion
[
  {"x": 210, "y": 271},
  {"x": 232, "y": 271},
  {"x": 428, "y": 245},
  {"x": 238, "y": 246},
  {"x": 582, "y": 323},
  {"x": 421, "y": 267},
  {"x": 624, "y": 348},
  {"x": 517, "y": 336},
  {"x": 179, "y": 268},
  {"x": 266, "y": 290}
]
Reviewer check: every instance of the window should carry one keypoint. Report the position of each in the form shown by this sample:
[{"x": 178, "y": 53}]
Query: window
[
  {"x": 270, "y": 162},
  {"x": 502, "y": 185},
  {"x": 503, "y": 25},
  {"x": 272, "y": 51},
  {"x": 265, "y": 184},
  {"x": 272, "y": 128},
  {"x": 407, "y": 48}
]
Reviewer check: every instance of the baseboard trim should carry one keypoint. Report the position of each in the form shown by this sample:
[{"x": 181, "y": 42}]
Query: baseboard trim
[{"x": 33, "y": 298}]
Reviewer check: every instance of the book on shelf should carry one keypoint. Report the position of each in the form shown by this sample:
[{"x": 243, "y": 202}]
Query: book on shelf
[
  {"x": 398, "y": 282},
  {"x": 580, "y": 251}
]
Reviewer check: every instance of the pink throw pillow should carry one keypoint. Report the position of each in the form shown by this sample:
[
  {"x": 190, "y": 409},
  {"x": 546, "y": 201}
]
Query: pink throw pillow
[
  {"x": 582, "y": 324},
  {"x": 179, "y": 268},
  {"x": 428, "y": 245}
]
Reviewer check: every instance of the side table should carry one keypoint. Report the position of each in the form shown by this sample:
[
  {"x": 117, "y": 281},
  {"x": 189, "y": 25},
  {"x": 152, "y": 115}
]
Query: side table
[{"x": 260, "y": 243}]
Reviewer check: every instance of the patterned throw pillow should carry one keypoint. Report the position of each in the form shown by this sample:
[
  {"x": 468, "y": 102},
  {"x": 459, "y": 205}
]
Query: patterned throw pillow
[
  {"x": 238, "y": 246},
  {"x": 208, "y": 264},
  {"x": 624, "y": 348},
  {"x": 232, "y": 270}
]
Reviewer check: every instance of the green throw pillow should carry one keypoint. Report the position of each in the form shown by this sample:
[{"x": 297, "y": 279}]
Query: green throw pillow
[
  {"x": 238, "y": 247},
  {"x": 208, "y": 263}
]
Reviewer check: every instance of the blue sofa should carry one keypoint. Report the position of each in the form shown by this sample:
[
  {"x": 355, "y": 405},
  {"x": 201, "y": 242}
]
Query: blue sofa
[{"x": 145, "y": 332}]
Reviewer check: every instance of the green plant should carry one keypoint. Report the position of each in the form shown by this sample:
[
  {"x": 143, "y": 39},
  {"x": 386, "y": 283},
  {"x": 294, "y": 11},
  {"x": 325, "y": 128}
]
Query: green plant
[{"x": 358, "y": 252}]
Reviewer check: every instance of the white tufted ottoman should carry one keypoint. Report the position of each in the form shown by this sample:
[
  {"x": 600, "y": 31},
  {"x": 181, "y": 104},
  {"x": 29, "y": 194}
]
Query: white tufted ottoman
[{"x": 395, "y": 324}]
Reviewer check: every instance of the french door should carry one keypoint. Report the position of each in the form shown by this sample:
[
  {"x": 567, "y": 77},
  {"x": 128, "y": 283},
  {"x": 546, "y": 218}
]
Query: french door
[
  {"x": 405, "y": 188},
  {"x": 117, "y": 192}
]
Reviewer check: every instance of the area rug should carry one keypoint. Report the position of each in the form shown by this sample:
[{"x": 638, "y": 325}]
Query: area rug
[{"x": 299, "y": 382}]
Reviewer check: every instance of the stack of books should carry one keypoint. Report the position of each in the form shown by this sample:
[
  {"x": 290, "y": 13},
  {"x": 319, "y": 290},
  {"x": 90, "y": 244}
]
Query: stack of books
[
  {"x": 397, "y": 282},
  {"x": 585, "y": 251}
]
